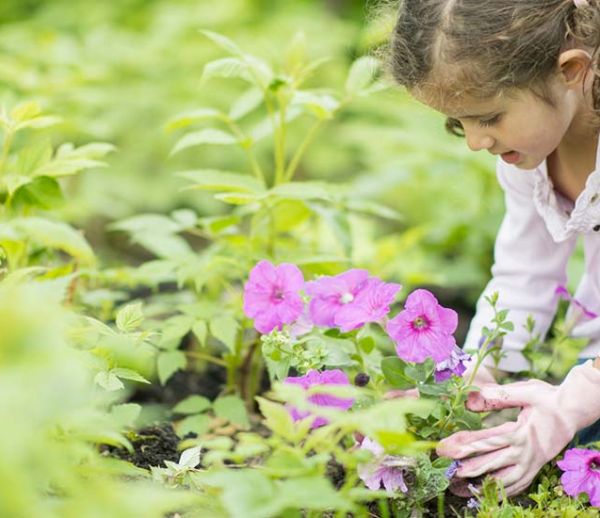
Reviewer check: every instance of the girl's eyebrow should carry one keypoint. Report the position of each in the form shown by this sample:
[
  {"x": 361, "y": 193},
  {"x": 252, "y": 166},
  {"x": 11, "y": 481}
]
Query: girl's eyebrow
[{"x": 480, "y": 116}]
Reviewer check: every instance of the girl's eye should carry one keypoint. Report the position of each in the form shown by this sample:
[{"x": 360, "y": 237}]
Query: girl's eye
[
  {"x": 489, "y": 122},
  {"x": 455, "y": 127}
]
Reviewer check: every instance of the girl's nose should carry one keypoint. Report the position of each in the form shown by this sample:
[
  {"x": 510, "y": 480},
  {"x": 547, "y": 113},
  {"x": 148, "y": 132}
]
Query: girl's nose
[{"x": 477, "y": 140}]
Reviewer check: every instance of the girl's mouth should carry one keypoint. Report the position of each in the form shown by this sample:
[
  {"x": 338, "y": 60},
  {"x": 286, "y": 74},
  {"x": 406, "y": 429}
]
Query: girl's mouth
[{"x": 512, "y": 157}]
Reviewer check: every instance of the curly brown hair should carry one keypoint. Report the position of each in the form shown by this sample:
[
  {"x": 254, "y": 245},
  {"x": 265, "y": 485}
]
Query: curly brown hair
[{"x": 485, "y": 48}]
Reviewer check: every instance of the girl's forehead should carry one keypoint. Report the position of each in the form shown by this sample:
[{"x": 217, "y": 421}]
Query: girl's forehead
[
  {"x": 463, "y": 105},
  {"x": 459, "y": 106}
]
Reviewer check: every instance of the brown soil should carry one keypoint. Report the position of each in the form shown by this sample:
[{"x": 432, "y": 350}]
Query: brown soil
[{"x": 152, "y": 446}]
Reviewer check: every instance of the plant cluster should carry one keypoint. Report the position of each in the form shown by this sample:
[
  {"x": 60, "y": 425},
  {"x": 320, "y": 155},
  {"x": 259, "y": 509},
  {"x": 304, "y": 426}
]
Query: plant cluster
[{"x": 305, "y": 423}]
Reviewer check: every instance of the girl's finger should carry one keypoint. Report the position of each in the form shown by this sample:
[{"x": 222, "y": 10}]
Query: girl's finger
[
  {"x": 465, "y": 444},
  {"x": 393, "y": 394},
  {"x": 486, "y": 463}
]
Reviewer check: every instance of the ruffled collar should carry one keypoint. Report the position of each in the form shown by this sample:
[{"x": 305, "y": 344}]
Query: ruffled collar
[{"x": 563, "y": 218}]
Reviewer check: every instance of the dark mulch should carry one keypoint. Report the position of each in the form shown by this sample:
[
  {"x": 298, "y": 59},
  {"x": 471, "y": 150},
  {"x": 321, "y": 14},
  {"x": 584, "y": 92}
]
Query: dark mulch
[
  {"x": 152, "y": 446},
  {"x": 182, "y": 384}
]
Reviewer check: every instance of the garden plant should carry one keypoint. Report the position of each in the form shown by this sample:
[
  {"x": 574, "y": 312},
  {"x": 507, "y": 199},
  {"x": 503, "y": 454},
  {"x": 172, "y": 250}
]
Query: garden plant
[{"x": 250, "y": 352}]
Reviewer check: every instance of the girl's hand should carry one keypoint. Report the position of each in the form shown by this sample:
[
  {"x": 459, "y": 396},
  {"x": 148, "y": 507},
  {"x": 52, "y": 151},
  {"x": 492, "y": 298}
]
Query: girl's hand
[
  {"x": 393, "y": 394},
  {"x": 514, "y": 452}
]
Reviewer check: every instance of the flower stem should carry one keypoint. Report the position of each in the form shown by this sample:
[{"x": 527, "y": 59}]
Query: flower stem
[
  {"x": 256, "y": 169},
  {"x": 293, "y": 165},
  {"x": 207, "y": 357}
]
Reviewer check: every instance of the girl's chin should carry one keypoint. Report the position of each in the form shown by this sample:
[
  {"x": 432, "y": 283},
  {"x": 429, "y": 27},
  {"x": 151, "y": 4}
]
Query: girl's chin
[{"x": 528, "y": 163}]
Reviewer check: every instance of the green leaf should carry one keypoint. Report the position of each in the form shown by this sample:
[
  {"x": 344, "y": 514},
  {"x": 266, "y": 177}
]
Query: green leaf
[
  {"x": 189, "y": 117},
  {"x": 393, "y": 369},
  {"x": 337, "y": 351},
  {"x": 296, "y": 54},
  {"x": 402, "y": 443},
  {"x": 279, "y": 368},
  {"x": 434, "y": 389},
  {"x": 192, "y": 405},
  {"x": 168, "y": 363},
  {"x": 236, "y": 199},
  {"x": 126, "y": 414},
  {"x": 108, "y": 381},
  {"x": 70, "y": 160},
  {"x": 204, "y": 136},
  {"x": 367, "y": 344},
  {"x": 321, "y": 106},
  {"x": 28, "y": 115},
  {"x": 32, "y": 157},
  {"x": 129, "y": 374},
  {"x": 227, "y": 68},
  {"x": 224, "y": 181},
  {"x": 288, "y": 214},
  {"x": 56, "y": 235},
  {"x": 233, "y": 409},
  {"x": 44, "y": 121},
  {"x": 200, "y": 330},
  {"x": 245, "y": 493},
  {"x": 277, "y": 418},
  {"x": 26, "y": 110},
  {"x": 246, "y": 103},
  {"x": 224, "y": 328},
  {"x": 42, "y": 192},
  {"x": 260, "y": 71},
  {"x": 418, "y": 372},
  {"x": 198, "y": 424},
  {"x": 372, "y": 208},
  {"x": 15, "y": 181},
  {"x": 173, "y": 330},
  {"x": 186, "y": 218},
  {"x": 222, "y": 41},
  {"x": 165, "y": 246},
  {"x": 147, "y": 223},
  {"x": 130, "y": 317},
  {"x": 315, "y": 493},
  {"x": 361, "y": 75}
]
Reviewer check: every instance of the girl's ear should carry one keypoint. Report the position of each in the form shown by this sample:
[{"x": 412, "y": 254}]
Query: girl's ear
[{"x": 574, "y": 64}]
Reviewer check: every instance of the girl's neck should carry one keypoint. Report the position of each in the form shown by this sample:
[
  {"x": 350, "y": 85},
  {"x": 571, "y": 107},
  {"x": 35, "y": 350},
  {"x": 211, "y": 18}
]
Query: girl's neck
[{"x": 571, "y": 163}]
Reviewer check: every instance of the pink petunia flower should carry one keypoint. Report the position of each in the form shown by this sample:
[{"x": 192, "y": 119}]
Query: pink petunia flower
[
  {"x": 371, "y": 304},
  {"x": 330, "y": 295},
  {"x": 423, "y": 329},
  {"x": 581, "y": 473},
  {"x": 563, "y": 293},
  {"x": 271, "y": 295},
  {"x": 350, "y": 300},
  {"x": 384, "y": 470},
  {"x": 312, "y": 378},
  {"x": 455, "y": 364}
]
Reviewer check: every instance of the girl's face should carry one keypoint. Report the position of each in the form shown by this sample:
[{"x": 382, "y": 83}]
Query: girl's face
[{"x": 522, "y": 128}]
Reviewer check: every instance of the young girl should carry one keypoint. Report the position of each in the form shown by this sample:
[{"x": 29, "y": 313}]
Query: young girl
[{"x": 519, "y": 79}]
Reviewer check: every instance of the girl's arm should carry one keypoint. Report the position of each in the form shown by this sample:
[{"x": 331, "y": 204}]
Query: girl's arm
[{"x": 528, "y": 267}]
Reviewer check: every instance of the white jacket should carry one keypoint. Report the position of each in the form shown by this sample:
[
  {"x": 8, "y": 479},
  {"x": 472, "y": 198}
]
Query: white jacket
[{"x": 537, "y": 236}]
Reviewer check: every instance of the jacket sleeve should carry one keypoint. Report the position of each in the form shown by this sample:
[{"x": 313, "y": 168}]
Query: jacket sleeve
[{"x": 528, "y": 267}]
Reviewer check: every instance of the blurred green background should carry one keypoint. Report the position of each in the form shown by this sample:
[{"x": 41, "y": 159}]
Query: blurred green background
[{"x": 119, "y": 71}]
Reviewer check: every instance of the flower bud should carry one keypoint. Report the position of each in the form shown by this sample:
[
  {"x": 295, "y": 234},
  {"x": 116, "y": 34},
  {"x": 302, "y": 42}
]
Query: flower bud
[{"x": 361, "y": 379}]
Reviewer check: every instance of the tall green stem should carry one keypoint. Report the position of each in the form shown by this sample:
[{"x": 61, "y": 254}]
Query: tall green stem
[
  {"x": 280, "y": 137},
  {"x": 293, "y": 165},
  {"x": 256, "y": 169},
  {"x": 206, "y": 357}
]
